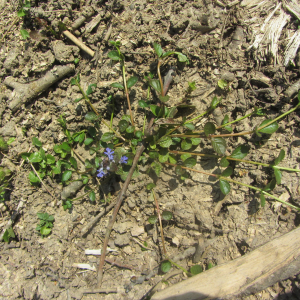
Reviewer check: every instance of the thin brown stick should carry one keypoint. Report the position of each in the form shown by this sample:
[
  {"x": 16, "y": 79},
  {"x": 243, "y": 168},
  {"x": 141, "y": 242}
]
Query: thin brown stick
[
  {"x": 160, "y": 223},
  {"x": 77, "y": 42},
  {"x": 115, "y": 212}
]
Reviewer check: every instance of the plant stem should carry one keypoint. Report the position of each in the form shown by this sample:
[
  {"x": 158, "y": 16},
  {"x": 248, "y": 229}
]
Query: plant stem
[
  {"x": 159, "y": 76},
  {"x": 259, "y": 190},
  {"x": 239, "y": 183},
  {"x": 201, "y": 115},
  {"x": 126, "y": 91},
  {"x": 178, "y": 266},
  {"x": 236, "y": 159},
  {"x": 160, "y": 223}
]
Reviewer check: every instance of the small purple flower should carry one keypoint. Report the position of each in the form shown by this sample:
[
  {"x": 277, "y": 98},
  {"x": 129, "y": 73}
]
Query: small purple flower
[
  {"x": 123, "y": 160},
  {"x": 101, "y": 173},
  {"x": 109, "y": 153}
]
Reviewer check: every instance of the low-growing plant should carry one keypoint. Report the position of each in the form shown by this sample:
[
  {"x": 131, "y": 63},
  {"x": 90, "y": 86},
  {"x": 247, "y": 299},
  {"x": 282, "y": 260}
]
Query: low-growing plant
[
  {"x": 21, "y": 13},
  {"x": 166, "y": 138},
  {"x": 46, "y": 224}
]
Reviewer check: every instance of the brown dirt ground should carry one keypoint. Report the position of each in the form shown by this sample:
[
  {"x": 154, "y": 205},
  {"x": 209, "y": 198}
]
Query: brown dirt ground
[{"x": 215, "y": 39}]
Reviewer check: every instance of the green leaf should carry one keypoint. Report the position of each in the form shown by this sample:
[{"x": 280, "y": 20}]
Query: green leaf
[
  {"x": 270, "y": 186},
  {"x": 35, "y": 157},
  {"x": 224, "y": 162},
  {"x": 195, "y": 141},
  {"x": 155, "y": 84},
  {"x": 240, "y": 152},
  {"x": 190, "y": 162},
  {"x": 278, "y": 175},
  {"x": 126, "y": 118},
  {"x": 153, "y": 154},
  {"x": 262, "y": 200},
  {"x": 156, "y": 166},
  {"x": 36, "y": 142},
  {"x": 150, "y": 186},
  {"x": 172, "y": 112},
  {"x": 88, "y": 141},
  {"x": 65, "y": 146},
  {"x": 209, "y": 128},
  {"x": 123, "y": 124},
  {"x": 186, "y": 144},
  {"x": 268, "y": 129},
  {"x": 225, "y": 120},
  {"x": 90, "y": 90},
  {"x": 280, "y": 157},
  {"x": 92, "y": 196},
  {"x": 222, "y": 84},
  {"x": 158, "y": 49},
  {"x": 165, "y": 142},
  {"x": 155, "y": 109},
  {"x": 196, "y": 269},
  {"x": 132, "y": 81},
  {"x": 50, "y": 159},
  {"x": 227, "y": 172},
  {"x": 190, "y": 126},
  {"x": 78, "y": 99},
  {"x": 179, "y": 170},
  {"x": 114, "y": 55},
  {"x": 45, "y": 230},
  {"x": 142, "y": 104},
  {"x": 66, "y": 175},
  {"x": 164, "y": 98},
  {"x": 163, "y": 155},
  {"x": 181, "y": 57},
  {"x": 219, "y": 145},
  {"x": 21, "y": 13},
  {"x": 73, "y": 162},
  {"x": 166, "y": 215},
  {"x": 172, "y": 159},
  {"x": 165, "y": 266},
  {"x": 67, "y": 204},
  {"x": 130, "y": 129},
  {"x": 228, "y": 128},
  {"x": 214, "y": 103},
  {"x": 152, "y": 219},
  {"x": 108, "y": 136},
  {"x": 117, "y": 85},
  {"x": 185, "y": 156},
  {"x": 210, "y": 265},
  {"x": 225, "y": 186},
  {"x": 9, "y": 233},
  {"x": 24, "y": 34},
  {"x": 138, "y": 134}
]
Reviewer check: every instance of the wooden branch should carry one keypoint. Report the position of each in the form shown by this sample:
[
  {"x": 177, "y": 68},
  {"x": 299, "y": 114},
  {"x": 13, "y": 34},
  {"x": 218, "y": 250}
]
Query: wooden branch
[
  {"x": 27, "y": 91},
  {"x": 115, "y": 212},
  {"x": 277, "y": 260}
]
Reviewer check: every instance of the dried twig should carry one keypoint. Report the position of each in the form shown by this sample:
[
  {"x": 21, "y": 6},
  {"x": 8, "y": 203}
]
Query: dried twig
[
  {"x": 115, "y": 212},
  {"x": 27, "y": 91},
  {"x": 77, "y": 42}
]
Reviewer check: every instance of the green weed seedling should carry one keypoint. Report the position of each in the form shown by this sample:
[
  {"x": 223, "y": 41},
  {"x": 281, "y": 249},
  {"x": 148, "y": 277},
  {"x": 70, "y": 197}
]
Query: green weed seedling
[
  {"x": 8, "y": 234},
  {"x": 166, "y": 138},
  {"x": 22, "y": 12},
  {"x": 45, "y": 164},
  {"x": 46, "y": 223}
]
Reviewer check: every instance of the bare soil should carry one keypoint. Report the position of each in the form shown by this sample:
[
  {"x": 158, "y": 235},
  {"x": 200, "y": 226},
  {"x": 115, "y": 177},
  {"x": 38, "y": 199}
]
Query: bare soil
[{"x": 207, "y": 226}]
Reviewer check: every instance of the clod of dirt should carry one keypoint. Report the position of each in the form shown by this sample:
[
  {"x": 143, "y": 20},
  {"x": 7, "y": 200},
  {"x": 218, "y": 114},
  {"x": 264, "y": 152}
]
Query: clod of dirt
[
  {"x": 64, "y": 53},
  {"x": 71, "y": 189}
]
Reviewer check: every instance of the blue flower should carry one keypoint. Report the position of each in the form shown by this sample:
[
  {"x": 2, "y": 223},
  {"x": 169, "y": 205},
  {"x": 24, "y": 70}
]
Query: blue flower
[
  {"x": 123, "y": 160},
  {"x": 109, "y": 153},
  {"x": 101, "y": 173}
]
